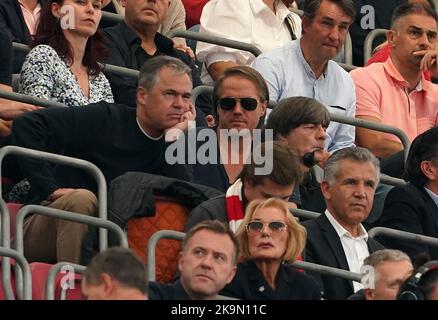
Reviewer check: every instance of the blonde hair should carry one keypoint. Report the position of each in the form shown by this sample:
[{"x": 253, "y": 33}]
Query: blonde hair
[{"x": 297, "y": 234}]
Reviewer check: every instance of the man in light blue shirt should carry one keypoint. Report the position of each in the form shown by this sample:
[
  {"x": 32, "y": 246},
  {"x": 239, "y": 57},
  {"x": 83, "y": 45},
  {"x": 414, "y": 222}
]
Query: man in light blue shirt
[{"x": 303, "y": 67}]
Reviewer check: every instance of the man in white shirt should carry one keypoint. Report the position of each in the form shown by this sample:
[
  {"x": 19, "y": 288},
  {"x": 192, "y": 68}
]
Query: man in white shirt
[
  {"x": 265, "y": 24},
  {"x": 304, "y": 67},
  {"x": 337, "y": 238}
]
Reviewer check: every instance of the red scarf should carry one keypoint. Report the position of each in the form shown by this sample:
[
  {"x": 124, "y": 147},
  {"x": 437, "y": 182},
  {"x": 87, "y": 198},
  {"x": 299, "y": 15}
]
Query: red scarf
[{"x": 234, "y": 204}]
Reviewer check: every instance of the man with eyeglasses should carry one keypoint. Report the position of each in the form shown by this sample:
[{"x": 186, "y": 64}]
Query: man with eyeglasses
[
  {"x": 395, "y": 92},
  {"x": 304, "y": 67},
  {"x": 337, "y": 238}
]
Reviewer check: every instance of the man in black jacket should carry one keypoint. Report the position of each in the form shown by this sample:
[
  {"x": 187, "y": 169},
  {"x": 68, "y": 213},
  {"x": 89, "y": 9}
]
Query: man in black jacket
[
  {"x": 116, "y": 138},
  {"x": 414, "y": 207},
  {"x": 207, "y": 263},
  {"x": 135, "y": 40},
  {"x": 337, "y": 238},
  {"x": 12, "y": 21}
]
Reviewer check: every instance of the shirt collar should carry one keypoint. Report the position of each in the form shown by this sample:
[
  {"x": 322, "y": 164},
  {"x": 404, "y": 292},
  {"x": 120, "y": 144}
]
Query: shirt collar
[
  {"x": 390, "y": 68},
  {"x": 342, "y": 232},
  {"x": 163, "y": 43},
  {"x": 303, "y": 61},
  {"x": 146, "y": 134},
  {"x": 258, "y": 6},
  {"x": 433, "y": 195}
]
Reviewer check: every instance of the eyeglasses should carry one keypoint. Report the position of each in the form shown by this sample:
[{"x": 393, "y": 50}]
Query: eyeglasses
[
  {"x": 258, "y": 226},
  {"x": 416, "y": 33},
  {"x": 249, "y": 104}
]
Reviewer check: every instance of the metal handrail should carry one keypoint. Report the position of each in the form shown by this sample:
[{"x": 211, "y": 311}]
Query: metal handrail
[
  {"x": 51, "y": 277},
  {"x": 64, "y": 215},
  {"x": 348, "y": 50},
  {"x": 198, "y": 36},
  {"x": 152, "y": 243},
  {"x": 200, "y": 90},
  {"x": 107, "y": 68},
  {"x": 340, "y": 273},
  {"x": 30, "y": 99},
  {"x": 6, "y": 243},
  {"x": 87, "y": 166},
  {"x": 306, "y": 214},
  {"x": 368, "y": 43},
  {"x": 5, "y": 219},
  {"x": 396, "y": 182},
  {"x": 24, "y": 266},
  {"x": 111, "y": 17},
  {"x": 403, "y": 235},
  {"x": 375, "y": 126},
  {"x": 346, "y": 67},
  {"x": 338, "y": 118}
]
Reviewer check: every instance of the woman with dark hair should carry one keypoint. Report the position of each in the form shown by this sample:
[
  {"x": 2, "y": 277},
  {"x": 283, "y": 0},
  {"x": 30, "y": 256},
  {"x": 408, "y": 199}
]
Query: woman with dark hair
[
  {"x": 64, "y": 63},
  {"x": 67, "y": 48}
]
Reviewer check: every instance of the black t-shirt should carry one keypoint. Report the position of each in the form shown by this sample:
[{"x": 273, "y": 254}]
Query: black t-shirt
[
  {"x": 5, "y": 59},
  {"x": 105, "y": 134},
  {"x": 126, "y": 51}
]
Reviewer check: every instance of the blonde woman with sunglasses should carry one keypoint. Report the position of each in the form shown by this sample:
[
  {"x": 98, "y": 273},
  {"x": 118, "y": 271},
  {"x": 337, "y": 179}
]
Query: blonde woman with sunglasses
[{"x": 270, "y": 238}]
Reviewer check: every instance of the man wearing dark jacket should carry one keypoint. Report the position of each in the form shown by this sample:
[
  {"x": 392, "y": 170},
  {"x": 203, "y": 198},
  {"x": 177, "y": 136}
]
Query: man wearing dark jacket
[
  {"x": 14, "y": 23},
  {"x": 337, "y": 238},
  {"x": 116, "y": 138},
  {"x": 414, "y": 207},
  {"x": 279, "y": 183},
  {"x": 206, "y": 263},
  {"x": 135, "y": 40}
]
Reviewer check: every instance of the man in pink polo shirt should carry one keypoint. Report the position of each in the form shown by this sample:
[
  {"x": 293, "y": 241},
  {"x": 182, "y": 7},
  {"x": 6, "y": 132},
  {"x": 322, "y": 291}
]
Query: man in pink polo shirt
[{"x": 395, "y": 92}]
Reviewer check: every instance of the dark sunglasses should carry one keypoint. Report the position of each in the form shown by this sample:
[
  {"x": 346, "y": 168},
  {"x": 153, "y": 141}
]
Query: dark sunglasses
[
  {"x": 229, "y": 103},
  {"x": 257, "y": 226}
]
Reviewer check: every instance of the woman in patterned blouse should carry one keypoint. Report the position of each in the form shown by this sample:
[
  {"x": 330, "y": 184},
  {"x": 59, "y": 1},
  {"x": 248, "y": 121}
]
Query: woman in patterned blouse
[{"x": 64, "y": 63}]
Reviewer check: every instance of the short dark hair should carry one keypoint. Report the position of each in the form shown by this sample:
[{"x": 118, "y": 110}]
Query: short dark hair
[
  {"x": 121, "y": 264},
  {"x": 311, "y": 7},
  {"x": 286, "y": 166},
  {"x": 423, "y": 148},
  {"x": 412, "y": 8},
  {"x": 149, "y": 71},
  {"x": 49, "y": 32},
  {"x": 248, "y": 73},
  {"x": 215, "y": 226},
  {"x": 292, "y": 112}
]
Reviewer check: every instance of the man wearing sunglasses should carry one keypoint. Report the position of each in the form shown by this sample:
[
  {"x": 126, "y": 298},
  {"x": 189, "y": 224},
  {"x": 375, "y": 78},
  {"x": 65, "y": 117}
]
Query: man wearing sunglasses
[
  {"x": 240, "y": 99},
  {"x": 304, "y": 67},
  {"x": 230, "y": 207},
  {"x": 337, "y": 238},
  {"x": 395, "y": 92}
]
